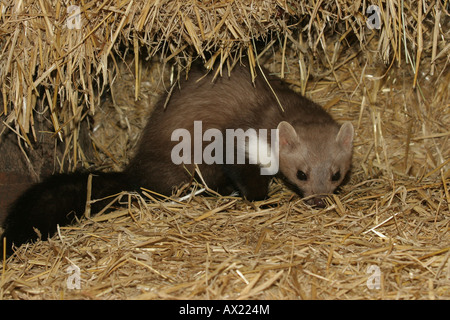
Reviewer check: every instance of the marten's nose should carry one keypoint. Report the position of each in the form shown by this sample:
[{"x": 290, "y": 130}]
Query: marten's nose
[{"x": 317, "y": 202}]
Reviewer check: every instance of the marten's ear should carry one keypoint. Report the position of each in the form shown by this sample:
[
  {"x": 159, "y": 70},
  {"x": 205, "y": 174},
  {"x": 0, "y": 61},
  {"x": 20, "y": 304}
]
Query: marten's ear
[
  {"x": 345, "y": 136},
  {"x": 288, "y": 138}
]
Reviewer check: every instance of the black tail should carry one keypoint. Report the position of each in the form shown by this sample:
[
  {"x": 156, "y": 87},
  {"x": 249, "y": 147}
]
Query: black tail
[{"x": 56, "y": 201}]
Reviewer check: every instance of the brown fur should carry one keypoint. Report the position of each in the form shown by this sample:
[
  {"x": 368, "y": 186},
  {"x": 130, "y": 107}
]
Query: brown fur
[{"x": 231, "y": 103}]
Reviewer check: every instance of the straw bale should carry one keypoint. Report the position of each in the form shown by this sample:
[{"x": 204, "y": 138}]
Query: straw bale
[
  {"x": 390, "y": 220},
  {"x": 49, "y": 53}
]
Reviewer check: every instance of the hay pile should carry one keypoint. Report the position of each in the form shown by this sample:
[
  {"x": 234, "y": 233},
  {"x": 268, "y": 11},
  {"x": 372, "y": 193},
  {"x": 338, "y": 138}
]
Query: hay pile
[
  {"x": 66, "y": 58},
  {"x": 385, "y": 236}
]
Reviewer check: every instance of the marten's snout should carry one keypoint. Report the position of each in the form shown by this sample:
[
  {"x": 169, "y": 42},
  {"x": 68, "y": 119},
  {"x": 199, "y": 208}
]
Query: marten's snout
[{"x": 318, "y": 201}]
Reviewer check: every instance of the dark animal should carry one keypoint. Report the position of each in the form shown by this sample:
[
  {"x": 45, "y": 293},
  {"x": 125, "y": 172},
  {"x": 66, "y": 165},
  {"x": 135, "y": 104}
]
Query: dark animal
[{"x": 314, "y": 152}]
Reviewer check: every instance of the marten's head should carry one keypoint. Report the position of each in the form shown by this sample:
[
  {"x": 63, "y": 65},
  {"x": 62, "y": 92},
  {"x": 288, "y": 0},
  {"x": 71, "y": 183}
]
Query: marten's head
[{"x": 315, "y": 158}]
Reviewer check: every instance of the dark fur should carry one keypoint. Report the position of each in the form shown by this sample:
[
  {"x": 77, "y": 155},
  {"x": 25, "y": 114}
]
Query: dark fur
[
  {"x": 58, "y": 200},
  {"x": 225, "y": 103}
]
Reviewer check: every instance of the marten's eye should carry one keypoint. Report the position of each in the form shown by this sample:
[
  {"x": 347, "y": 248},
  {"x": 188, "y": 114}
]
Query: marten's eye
[
  {"x": 336, "y": 176},
  {"x": 301, "y": 175}
]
